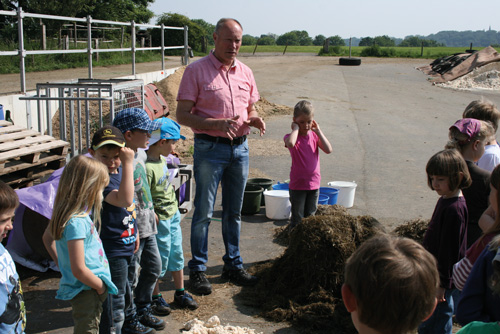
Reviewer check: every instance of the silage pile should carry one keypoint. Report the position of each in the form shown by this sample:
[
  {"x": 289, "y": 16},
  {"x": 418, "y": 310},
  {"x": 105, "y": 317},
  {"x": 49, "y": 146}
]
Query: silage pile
[{"x": 303, "y": 285}]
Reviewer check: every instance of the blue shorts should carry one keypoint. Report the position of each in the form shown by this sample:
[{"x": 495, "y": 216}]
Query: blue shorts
[{"x": 169, "y": 240}]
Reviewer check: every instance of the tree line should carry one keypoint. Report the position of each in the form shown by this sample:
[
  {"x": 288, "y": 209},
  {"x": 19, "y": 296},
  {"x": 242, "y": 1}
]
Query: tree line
[{"x": 200, "y": 31}]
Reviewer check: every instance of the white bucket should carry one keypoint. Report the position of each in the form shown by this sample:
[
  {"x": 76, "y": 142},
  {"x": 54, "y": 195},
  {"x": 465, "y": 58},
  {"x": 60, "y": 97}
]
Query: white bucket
[
  {"x": 346, "y": 192},
  {"x": 278, "y": 205}
]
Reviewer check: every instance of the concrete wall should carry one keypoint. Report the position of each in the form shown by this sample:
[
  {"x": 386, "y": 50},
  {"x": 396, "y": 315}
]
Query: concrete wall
[{"x": 20, "y": 109}]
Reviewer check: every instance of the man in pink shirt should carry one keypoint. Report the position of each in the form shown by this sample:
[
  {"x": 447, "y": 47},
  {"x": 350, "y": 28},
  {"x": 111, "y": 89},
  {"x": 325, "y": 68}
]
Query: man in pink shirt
[{"x": 216, "y": 99}]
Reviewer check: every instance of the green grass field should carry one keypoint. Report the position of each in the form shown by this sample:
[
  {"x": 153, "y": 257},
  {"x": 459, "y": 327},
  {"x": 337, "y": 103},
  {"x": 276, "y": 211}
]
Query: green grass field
[
  {"x": 10, "y": 64},
  {"x": 399, "y": 52}
]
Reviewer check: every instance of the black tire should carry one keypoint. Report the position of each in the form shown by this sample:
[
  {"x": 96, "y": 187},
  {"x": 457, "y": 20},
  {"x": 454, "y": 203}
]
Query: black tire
[{"x": 350, "y": 61}]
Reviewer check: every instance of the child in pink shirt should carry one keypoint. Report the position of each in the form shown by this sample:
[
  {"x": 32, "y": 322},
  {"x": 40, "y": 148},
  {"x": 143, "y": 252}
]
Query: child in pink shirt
[{"x": 305, "y": 178}]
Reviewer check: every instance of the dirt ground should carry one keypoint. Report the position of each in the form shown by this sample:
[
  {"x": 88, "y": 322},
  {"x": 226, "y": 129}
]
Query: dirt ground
[{"x": 384, "y": 121}]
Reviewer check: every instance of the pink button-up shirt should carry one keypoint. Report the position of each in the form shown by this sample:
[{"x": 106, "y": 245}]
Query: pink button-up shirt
[{"x": 219, "y": 93}]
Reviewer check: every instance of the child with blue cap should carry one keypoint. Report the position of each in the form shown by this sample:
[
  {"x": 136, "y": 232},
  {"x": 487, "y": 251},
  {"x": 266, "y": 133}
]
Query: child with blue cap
[
  {"x": 169, "y": 237},
  {"x": 136, "y": 127}
]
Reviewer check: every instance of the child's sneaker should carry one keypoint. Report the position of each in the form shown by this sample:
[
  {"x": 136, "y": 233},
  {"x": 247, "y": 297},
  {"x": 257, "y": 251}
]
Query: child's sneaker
[
  {"x": 135, "y": 327},
  {"x": 149, "y": 320},
  {"x": 185, "y": 301},
  {"x": 160, "y": 307}
]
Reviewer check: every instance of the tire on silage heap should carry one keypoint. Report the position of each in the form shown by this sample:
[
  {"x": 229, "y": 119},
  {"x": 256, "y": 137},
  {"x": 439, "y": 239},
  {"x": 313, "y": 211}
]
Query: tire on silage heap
[{"x": 303, "y": 285}]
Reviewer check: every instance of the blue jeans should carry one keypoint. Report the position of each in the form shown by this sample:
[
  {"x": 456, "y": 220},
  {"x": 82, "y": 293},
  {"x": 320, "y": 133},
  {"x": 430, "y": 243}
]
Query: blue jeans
[
  {"x": 117, "y": 304},
  {"x": 304, "y": 204},
  {"x": 441, "y": 320},
  {"x": 214, "y": 163},
  {"x": 148, "y": 258}
]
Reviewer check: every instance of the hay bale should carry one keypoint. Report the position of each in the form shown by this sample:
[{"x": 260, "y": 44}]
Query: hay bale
[{"x": 304, "y": 284}]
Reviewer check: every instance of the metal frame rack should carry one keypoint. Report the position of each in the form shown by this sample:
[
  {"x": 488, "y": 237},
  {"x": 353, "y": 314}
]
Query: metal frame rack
[{"x": 77, "y": 95}]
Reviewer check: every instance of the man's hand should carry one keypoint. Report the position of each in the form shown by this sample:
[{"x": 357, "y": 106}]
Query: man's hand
[
  {"x": 228, "y": 125},
  {"x": 258, "y": 123}
]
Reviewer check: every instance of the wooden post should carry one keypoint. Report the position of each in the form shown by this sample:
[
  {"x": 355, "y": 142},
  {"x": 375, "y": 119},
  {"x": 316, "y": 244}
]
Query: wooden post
[
  {"x": 285, "y": 48},
  {"x": 96, "y": 41},
  {"x": 121, "y": 41},
  {"x": 142, "y": 43},
  {"x": 255, "y": 49},
  {"x": 422, "y": 50},
  {"x": 66, "y": 42},
  {"x": 74, "y": 35},
  {"x": 325, "y": 45},
  {"x": 44, "y": 37}
]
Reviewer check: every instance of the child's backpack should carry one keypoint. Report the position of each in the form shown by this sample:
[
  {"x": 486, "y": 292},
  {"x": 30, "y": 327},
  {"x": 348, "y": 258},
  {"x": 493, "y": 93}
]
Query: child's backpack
[{"x": 154, "y": 103}]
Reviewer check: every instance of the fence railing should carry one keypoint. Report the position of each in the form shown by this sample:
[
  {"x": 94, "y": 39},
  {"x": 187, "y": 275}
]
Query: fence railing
[{"x": 22, "y": 53}]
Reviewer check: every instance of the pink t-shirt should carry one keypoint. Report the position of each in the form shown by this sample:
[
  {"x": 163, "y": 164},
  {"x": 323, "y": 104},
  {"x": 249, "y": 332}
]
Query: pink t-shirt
[
  {"x": 305, "y": 173},
  {"x": 219, "y": 93}
]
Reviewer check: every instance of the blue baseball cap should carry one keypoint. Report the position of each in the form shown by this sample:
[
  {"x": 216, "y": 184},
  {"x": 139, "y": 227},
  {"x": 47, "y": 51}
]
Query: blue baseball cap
[
  {"x": 134, "y": 118},
  {"x": 168, "y": 129}
]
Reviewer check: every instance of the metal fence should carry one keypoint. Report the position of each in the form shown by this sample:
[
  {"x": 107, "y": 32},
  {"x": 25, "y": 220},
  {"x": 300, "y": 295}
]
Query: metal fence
[{"x": 22, "y": 53}]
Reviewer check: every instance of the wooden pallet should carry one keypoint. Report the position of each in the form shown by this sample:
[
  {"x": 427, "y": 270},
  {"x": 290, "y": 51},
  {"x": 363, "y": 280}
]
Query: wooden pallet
[{"x": 27, "y": 155}]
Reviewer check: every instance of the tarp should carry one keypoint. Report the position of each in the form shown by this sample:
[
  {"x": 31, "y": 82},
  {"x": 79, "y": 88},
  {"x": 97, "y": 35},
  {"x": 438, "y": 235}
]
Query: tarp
[
  {"x": 477, "y": 59},
  {"x": 40, "y": 199}
]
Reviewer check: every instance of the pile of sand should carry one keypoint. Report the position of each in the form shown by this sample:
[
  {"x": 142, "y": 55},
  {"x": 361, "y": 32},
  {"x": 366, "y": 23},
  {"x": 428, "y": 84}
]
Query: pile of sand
[
  {"x": 213, "y": 326},
  {"x": 481, "y": 78}
]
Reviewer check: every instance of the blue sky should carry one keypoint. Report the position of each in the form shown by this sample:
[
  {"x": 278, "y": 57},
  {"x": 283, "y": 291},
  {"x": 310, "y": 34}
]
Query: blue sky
[{"x": 347, "y": 18}]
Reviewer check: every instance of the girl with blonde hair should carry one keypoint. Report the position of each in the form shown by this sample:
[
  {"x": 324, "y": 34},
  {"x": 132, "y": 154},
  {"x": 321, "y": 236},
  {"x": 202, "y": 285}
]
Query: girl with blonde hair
[{"x": 86, "y": 279}]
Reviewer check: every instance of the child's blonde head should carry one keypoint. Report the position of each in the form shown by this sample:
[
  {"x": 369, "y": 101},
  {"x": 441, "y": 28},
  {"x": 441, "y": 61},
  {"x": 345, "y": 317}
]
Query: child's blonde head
[
  {"x": 449, "y": 163},
  {"x": 394, "y": 282},
  {"x": 80, "y": 190},
  {"x": 303, "y": 107},
  {"x": 466, "y": 131},
  {"x": 483, "y": 110}
]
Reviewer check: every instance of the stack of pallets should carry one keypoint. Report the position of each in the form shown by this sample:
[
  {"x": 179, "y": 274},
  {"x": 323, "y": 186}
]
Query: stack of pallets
[{"x": 27, "y": 155}]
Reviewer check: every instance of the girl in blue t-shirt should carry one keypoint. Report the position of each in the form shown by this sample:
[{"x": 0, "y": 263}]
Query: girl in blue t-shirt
[{"x": 86, "y": 279}]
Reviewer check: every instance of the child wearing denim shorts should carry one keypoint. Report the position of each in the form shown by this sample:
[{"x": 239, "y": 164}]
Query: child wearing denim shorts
[{"x": 169, "y": 237}]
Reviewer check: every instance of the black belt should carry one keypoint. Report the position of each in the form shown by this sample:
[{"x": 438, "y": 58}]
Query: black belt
[{"x": 222, "y": 140}]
